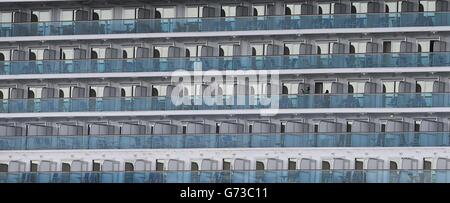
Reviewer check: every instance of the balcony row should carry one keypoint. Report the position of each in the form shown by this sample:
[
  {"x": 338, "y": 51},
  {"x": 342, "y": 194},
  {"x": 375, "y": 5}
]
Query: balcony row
[
  {"x": 223, "y": 160},
  {"x": 203, "y": 9},
  {"x": 248, "y": 125},
  {"x": 226, "y": 47},
  {"x": 276, "y": 176},
  {"x": 391, "y": 163},
  {"x": 102, "y": 104},
  {"x": 224, "y": 88},
  {"x": 244, "y": 124},
  {"x": 372, "y": 160},
  {"x": 392, "y": 139},
  {"x": 300, "y": 62},
  {"x": 368, "y": 20}
]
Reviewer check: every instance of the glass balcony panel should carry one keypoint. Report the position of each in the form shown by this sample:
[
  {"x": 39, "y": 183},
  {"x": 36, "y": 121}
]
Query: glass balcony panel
[
  {"x": 163, "y": 103},
  {"x": 168, "y": 25},
  {"x": 404, "y": 139},
  {"x": 272, "y": 176},
  {"x": 379, "y": 60}
]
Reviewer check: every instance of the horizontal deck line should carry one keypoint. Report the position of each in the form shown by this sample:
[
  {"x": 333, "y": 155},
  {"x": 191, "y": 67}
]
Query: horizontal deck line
[
  {"x": 206, "y": 73},
  {"x": 422, "y": 110},
  {"x": 226, "y": 33}
]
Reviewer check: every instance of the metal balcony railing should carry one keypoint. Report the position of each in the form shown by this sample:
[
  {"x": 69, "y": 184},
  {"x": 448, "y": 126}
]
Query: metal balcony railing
[
  {"x": 122, "y": 26},
  {"x": 166, "y": 103},
  {"x": 269, "y": 140},
  {"x": 250, "y": 176},
  {"x": 293, "y": 62}
]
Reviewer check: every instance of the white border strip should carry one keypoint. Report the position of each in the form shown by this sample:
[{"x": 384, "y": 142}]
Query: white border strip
[{"x": 38, "y": 1}]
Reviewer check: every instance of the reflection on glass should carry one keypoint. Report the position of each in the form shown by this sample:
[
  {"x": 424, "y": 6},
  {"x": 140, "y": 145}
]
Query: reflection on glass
[
  {"x": 392, "y": 46},
  {"x": 65, "y": 92},
  {"x": 293, "y": 9},
  {"x": 292, "y": 87},
  {"x": 356, "y": 87},
  {"x": 98, "y": 91},
  {"x": 226, "y": 50},
  {"x": 129, "y": 13},
  {"x": 129, "y": 52},
  {"x": 392, "y": 7},
  {"x": 259, "y": 10},
  {"x": 67, "y": 15},
  {"x": 291, "y": 48},
  {"x": 6, "y": 17},
  {"x": 359, "y": 7},
  {"x": 259, "y": 49},
  {"x": 128, "y": 91},
  {"x": 166, "y": 12},
  {"x": 194, "y": 12},
  {"x": 193, "y": 50},
  {"x": 358, "y": 47},
  {"x": 5, "y": 55},
  {"x": 67, "y": 53},
  {"x": 34, "y": 92},
  {"x": 427, "y": 5},
  {"x": 160, "y": 51},
  {"x": 159, "y": 90},
  {"x": 229, "y": 10},
  {"x": 424, "y": 45},
  {"x": 424, "y": 86},
  {"x": 42, "y": 16},
  {"x": 390, "y": 86},
  {"x": 102, "y": 14},
  {"x": 98, "y": 53},
  {"x": 324, "y": 47},
  {"x": 4, "y": 93},
  {"x": 326, "y": 8},
  {"x": 36, "y": 54},
  {"x": 323, "y": 87}
]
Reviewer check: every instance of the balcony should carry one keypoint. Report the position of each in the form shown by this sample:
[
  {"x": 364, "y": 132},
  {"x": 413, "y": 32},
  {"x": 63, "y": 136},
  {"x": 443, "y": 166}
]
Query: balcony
[
  {"x": 269, "y": 176},
  {"x": 400, "y": 139},
  {"x": 121, "y": 26},
  {"x": 332, "y": 61},
  {"x": 165, "y": 103}
]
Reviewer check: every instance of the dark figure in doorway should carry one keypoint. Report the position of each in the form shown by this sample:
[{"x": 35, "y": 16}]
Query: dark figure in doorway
[{"x": 326, "y": 99}]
